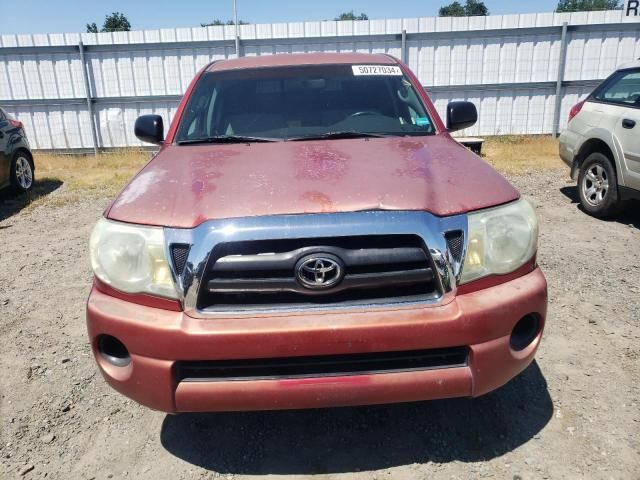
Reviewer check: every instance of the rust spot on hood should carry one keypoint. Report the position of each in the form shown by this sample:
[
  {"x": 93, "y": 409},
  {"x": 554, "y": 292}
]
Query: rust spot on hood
[
  {"x": 318, "y": 199},
  {"x": 186, "y": 185},
  {"x": 320, "y": 161}
]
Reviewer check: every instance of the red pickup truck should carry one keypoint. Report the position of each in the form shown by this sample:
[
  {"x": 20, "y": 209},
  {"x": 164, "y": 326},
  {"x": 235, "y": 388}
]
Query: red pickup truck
[{"x": 310, "y": 235}]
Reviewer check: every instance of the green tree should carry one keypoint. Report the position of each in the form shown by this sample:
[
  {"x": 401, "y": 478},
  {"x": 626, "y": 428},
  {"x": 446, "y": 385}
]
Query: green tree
[
  {"x": 217, "y": 22},
  {"x": 587, "y": 5},
  {"x": 472, "y": 8},
  {"x": 116, "y": 22},
  {"x": 454, "y": 9},
  {"x": 351, "y": 16}
]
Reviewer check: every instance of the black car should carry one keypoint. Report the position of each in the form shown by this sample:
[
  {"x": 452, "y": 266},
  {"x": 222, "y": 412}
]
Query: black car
[{"x": 16, "y": 162}]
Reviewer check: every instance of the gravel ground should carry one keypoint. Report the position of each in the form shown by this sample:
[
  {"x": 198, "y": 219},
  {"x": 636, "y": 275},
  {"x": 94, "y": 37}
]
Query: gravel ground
[{"x": 575, "y": 413}]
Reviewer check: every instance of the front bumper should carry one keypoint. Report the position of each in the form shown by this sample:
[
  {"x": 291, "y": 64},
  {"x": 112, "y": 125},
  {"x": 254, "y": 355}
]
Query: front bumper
[{"x": 157, "y": 339}]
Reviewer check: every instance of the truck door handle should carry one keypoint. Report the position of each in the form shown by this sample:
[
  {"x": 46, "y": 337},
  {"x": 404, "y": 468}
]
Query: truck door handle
[{"x": 627, "y": 123}]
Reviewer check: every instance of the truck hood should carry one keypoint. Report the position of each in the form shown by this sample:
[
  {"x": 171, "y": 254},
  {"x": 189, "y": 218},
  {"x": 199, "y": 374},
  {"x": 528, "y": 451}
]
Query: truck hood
[{"x": 184, "y": 186}]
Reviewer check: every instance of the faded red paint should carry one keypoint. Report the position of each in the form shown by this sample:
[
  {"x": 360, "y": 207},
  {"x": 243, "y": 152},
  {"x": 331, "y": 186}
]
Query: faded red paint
[
  {"x": 320, "y": 161},
  {"x": 337, "y": 391},
  {"x": 431, "y": 173},
  {"x": 187, "y": 185},
  {"x": 184, "y": 186},
  {"x": 482, "y": 320},
  {"x": 323, "y": 201}
]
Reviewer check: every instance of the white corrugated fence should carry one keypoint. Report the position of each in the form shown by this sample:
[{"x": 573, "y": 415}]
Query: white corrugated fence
[{"x": 511, "y": 66}]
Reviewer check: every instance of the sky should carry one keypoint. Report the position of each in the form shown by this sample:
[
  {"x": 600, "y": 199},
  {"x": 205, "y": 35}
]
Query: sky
[{"x": 51, "y": 16}]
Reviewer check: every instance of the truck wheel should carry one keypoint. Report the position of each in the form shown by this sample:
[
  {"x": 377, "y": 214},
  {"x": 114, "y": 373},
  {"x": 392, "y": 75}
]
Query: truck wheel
[
  {"x": 598, "y": 186},
  {"x": 21, "y": 172}
]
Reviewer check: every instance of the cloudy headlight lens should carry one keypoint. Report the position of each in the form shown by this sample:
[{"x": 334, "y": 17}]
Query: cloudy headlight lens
[
  {"x": 131, "y": 258},
  {"x": 501, "y": 240}
]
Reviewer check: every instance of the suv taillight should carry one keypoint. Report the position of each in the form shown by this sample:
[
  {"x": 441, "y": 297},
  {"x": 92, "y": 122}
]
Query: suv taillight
[
  {"x": 575, "y": 110},
  {"x": 16, "y": 123}
]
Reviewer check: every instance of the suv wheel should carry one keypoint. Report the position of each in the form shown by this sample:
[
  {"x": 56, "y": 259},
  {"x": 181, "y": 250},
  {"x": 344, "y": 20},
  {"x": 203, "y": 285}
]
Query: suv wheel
[
  {"x": 598, "y": 186},
  {"x": 21, "y": 172}
]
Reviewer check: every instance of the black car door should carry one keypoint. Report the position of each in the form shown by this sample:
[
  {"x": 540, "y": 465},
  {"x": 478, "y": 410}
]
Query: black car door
[{"x": 5, "y": 158}]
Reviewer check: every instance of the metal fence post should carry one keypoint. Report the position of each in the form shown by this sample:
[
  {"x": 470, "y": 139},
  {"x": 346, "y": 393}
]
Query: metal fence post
[
  {"x": 403, "y": 51},
  {"x": 235, "y": 20},
  {"x": 238, "y": 52},
  {"x": 87, "y": 90},
  {"x": 562, "y": 61}
]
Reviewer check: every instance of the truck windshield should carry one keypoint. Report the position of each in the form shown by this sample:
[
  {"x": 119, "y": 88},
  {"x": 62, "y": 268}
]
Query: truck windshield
[{"x": 303, "y": 102}]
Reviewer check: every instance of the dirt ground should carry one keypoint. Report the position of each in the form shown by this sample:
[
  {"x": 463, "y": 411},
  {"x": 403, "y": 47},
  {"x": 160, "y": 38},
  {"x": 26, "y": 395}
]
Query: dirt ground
[{"x": 575, "y": 413}]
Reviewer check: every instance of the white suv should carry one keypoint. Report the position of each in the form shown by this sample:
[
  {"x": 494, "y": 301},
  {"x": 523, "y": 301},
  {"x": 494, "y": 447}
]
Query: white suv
[{"x": 602, "y": 143}]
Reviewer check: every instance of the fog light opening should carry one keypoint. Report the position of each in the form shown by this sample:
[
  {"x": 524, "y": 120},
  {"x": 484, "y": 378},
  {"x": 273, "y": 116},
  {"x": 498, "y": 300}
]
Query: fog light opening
[
  {"x": 525, "y": 332},
  {"x": 113, "y": 351}
]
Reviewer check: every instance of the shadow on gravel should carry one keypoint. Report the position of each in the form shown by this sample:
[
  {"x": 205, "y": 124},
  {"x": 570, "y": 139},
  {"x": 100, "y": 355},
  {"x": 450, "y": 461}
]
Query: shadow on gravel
[
  {"x": 629, "y": 214},
  {"x": 11, "y": 203},
  {"x": 364, "y": 438}
]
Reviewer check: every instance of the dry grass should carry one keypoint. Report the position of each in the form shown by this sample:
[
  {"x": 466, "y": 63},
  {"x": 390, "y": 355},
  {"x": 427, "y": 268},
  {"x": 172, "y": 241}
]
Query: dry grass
[
  {"x": 65, "y": 179},
  {"x": 103, "y": 175},
  {"x": 74, "y": 177},
  {"x": 518, "y": 155}
]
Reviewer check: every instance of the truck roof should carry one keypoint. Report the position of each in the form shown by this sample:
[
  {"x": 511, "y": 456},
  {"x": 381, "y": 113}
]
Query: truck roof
[{"x": 293, "y": 59}]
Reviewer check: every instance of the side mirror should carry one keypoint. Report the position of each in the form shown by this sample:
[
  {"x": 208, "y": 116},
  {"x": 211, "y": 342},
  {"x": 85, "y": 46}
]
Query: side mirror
[
  {"x": 461, "y": 115},
  {"x": 150, "y": 128}
]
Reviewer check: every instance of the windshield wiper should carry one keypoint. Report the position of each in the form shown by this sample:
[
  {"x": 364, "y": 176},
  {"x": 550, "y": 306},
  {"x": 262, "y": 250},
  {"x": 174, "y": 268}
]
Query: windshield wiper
[
  {"x": 227, "y": 139},
  {"x": 339, "y": 134}
]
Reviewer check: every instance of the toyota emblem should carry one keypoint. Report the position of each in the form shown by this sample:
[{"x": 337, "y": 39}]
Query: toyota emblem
[{"x": 319, "y": 271}]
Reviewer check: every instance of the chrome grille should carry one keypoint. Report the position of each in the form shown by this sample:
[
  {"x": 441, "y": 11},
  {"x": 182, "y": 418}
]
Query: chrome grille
[
  {"x": 208, "y": 240},
  {"x": 378, "y": 268}
]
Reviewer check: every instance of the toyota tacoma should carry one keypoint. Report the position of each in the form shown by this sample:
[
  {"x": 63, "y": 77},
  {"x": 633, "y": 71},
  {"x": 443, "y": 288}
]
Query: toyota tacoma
[{"x": 310, "y": 235}]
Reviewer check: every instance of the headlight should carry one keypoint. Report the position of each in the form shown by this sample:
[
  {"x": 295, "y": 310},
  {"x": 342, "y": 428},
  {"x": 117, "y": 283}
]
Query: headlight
[
  {"x": 131, "y": 258},
  {"x": 501, "y": 240}
]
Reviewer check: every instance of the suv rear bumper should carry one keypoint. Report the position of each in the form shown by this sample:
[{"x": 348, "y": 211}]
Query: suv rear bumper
[
  {"x": 569, "y": 146},
  {"x": 156, "y": 339}
]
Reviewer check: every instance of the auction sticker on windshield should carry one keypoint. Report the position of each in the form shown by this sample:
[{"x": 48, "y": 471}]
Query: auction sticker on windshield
[{"x": 376, "y": 70}]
